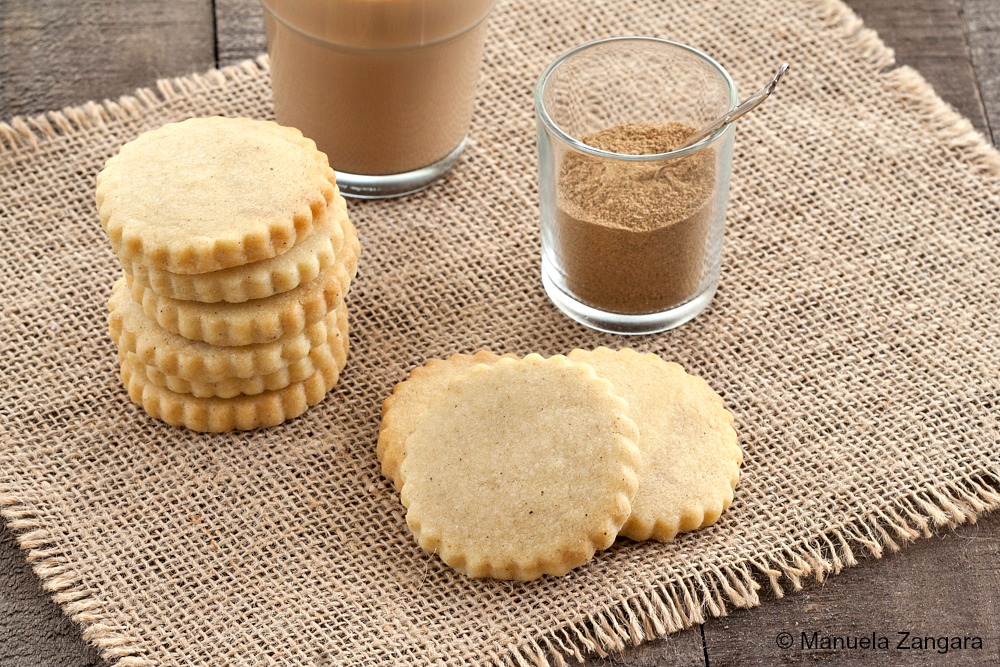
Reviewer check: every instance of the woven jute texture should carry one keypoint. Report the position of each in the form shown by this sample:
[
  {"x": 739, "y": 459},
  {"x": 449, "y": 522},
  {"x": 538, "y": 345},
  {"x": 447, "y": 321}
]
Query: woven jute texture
[{"x": 855, "y": 337}]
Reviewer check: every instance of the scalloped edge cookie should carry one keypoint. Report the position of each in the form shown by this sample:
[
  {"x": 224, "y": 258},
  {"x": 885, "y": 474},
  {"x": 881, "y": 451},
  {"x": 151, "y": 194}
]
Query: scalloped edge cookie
[
  {"x": 207, "y": 194},
  {"x": 305, "y": 261},
  {"x": 197, "y": 361},
  {"x": 251, "y": 322},
  {"x": 218, "y": 415},
  {"x": 521, "y": 468},
  {"x": 692, "y": 458},
  {"x": 402, "y": 410},
  {"x": 334, "y": 350}
]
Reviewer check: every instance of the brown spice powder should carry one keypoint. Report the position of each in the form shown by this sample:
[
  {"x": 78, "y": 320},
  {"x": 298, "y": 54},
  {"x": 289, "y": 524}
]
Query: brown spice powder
[{"x": 632, "y": 236}]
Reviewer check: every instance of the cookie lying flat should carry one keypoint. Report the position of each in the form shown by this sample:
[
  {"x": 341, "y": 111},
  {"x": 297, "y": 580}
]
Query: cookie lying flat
[
  {"x": 208, "y": 194},
  {"x": 196, "y": 361},
  {"x": 692, "y": 460},
  {"x": 303, "y": 262},
  {"x": 522, "y": 468},
  {"x": 250, "y": 322},
  {"x": 333, "y": 351},
  {"x": 401, "y": 412},
  {"x": 217, "y": 415}
]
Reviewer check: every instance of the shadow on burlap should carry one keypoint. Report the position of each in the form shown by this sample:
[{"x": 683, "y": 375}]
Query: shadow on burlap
[{"x": 855, "y": 337}]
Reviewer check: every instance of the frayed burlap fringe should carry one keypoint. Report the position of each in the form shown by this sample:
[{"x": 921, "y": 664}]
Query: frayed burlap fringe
[
  {"x": 649, "y": 615},
  {"x": 865, "y": 42},
  {"x": 669, "y": 606},
  {"x": 27, "y": 132},
  {"x": 944, "y": 121},
  {"x": 67, "y": 587},
  {"x": 941, "y": 118},
  {"x": 702, "y": 595},
  {"x": 52, "y": 567},
  {"x": 670, "y": 609}
]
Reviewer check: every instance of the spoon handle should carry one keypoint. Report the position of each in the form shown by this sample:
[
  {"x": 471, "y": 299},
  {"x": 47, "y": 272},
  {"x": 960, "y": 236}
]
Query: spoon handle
[{"x": 746, "y": 105}]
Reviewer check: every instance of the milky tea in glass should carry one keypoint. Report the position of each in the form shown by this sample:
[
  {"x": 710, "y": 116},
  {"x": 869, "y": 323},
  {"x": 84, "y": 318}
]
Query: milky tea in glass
[{"x": 385, "y": 87}]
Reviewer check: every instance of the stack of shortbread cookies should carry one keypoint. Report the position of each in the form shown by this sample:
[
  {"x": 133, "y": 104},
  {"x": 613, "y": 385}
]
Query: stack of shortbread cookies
[
  {"x": 238, "y": 256},
  {"x": 514, "y": 468}
]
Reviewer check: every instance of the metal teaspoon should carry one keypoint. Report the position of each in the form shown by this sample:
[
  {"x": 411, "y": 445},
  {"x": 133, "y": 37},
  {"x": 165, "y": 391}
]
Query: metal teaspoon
[{"x": 746, "y": 105}]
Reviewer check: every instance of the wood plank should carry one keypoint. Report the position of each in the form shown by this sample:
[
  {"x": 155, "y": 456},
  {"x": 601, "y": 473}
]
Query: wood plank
[
  {"x": 982, "y": 22},
  {"x": 929, "y": 35},
  {"x": 33, "y": 630},
  {"x": 239, "y": 26},
  {"x": 949, "y": 585},
  {"x": 683, "y": 649},
  {"x": 920, "y": 576},
  {"x": 946, "y": 585},
  {"x": 55, "y": 53}
]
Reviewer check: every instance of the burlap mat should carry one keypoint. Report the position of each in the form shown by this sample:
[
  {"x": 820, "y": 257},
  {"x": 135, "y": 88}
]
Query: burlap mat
[{"x": 855, "y": 336}]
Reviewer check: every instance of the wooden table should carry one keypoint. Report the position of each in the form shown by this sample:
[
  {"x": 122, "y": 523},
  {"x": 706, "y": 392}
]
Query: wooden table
[{"x": 55, "y": 53}]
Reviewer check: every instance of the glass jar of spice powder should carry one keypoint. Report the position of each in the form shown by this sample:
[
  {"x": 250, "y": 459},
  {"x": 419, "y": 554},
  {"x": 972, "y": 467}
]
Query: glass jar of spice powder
[{"x": 631, "y": 225}]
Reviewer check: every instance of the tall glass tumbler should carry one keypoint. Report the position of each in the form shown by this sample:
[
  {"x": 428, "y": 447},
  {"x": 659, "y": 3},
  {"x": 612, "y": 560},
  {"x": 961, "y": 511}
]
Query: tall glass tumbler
[
  {"x": 631, "y": 226},
  {"x": 385, "y": 87}
]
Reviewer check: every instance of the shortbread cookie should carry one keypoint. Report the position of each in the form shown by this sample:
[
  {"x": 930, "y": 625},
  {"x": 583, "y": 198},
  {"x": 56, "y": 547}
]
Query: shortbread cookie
[
  {"x": 692, "y": 460},
  {"x": 217, "y": 415},
  {"x": 401, "y": 412},
  {"x": 333, "y": 351},
  {"x": 250, "y": 322},
  {"x": 352, "y": 244},
  {"x": 207, "y": 194},
  {"x": 196, "y": 361},
  {"x": 522, "y": 468},
  {"x": 304, "y": 262}
]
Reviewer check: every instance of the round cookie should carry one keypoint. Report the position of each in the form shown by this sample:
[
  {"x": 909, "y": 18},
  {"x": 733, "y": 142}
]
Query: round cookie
[
  {"x": 352, "y": 244},
  {"x": 207, "y": 194},
  {"x": 251, "y": 322},
  {"x": 521, "y": 468},
  {"x": 692, "y": 460},
  {"x": 401, "y": 412},
  {"x": 314, "y": 254},
  {"x": 217, "y": 415},
  {"x": 333, "y": 351},
  {"x": 196, "y": 361}
]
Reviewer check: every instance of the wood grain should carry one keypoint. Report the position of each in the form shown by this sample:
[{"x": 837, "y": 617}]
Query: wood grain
[
  {"x": 946, "y": 585},
  {"x": 951, "y": 583},
  {"x": 60, "y": 52},
  {"x": 55, "y": 53},
  {"x": 684, "y": 649},
  {"x": 33, "y": 630},
  {"x": 956, "y": 47},
  {"x": 929, "y": 35},
  {"x": 240, "y": 27},
  {"x": 982, "y": 28}
]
